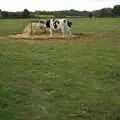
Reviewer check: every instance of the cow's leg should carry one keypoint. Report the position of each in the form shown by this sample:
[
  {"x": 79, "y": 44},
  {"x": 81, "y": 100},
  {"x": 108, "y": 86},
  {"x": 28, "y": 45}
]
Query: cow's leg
[
  {"x": 66, "y": 32},
  {"x": 45, "y": 31},
  {"x": 51, "y": 34},
  {"x": 70, "y": 34},
  {"x": 63, "y": 32}
]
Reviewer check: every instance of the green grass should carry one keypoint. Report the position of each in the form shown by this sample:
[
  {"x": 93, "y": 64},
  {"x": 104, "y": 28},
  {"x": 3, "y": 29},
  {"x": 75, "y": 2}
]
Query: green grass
[
  {"x": 95, "y": 24},
  {"x": 76, "y": 80},
  {"x": 10, "y": 26}
]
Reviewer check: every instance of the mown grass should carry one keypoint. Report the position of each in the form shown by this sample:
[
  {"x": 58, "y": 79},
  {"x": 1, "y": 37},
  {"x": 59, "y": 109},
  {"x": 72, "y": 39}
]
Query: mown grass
[
  {"x": 75, "y": 80},
  {"x": 10, "y": 26}
]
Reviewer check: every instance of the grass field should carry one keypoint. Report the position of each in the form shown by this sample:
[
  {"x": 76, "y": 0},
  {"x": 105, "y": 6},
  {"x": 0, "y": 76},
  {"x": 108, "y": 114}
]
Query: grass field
[{"x": 75, "y": 80}]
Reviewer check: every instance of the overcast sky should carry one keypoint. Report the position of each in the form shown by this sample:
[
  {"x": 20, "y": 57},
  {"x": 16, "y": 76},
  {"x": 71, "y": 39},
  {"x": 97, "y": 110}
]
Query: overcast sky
[{"x": 32, "y": 5}]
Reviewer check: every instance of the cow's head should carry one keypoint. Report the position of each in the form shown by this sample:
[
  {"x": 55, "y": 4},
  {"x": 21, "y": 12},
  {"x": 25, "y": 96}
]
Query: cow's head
[
  {"x": 48, "y": 23},
  {"x": 42, "y": 25},
  {"x": 69, "y": 23}
]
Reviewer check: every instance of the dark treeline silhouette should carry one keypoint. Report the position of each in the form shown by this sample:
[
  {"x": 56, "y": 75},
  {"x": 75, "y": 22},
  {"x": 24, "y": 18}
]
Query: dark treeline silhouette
[
  {"x": 19, "y": 14},
  {"x": 105, "y": 12}
]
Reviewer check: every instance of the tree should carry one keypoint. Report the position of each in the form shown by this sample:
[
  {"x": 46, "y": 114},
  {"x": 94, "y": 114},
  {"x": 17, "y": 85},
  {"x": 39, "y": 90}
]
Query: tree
[
  {"x": 4, "y": 14},
  {"x": 26, "y": 13},
  {"x": 116, "y": 10},
  {"x": 106, "y": 12},
  {"x": 90, "y": 15},
  {"x": 0, "y": 13}
]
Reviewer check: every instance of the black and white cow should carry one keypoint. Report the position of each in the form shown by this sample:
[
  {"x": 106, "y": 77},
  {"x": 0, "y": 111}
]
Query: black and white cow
[{"x": 63, "y": 25}]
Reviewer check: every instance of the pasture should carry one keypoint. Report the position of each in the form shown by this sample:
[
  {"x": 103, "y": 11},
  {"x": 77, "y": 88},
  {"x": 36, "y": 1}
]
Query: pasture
[{"x": 61, "y": 80}]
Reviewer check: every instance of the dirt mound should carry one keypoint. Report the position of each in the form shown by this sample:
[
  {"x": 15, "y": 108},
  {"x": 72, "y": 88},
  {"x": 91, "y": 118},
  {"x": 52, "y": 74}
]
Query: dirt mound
[
  {"x": 33, "y": 29},
  {"x": 57, "y": 36}
]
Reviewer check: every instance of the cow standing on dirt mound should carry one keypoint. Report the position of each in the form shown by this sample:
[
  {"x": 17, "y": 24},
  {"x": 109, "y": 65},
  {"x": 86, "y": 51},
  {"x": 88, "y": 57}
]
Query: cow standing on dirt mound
[{"x": 63, "y": 25}]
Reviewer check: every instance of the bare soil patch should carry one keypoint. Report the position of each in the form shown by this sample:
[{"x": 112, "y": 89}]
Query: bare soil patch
[{"x": 56, "y": 36}]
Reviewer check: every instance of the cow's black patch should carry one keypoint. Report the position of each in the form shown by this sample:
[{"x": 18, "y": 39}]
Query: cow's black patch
[
  {"x": 53, "y": 19},
  {"x": 58, "y": 22},
  {"x": 69, "y": 23},
  {"x": 64, "y": 21},
  {"x": 55, "y": 24},
  {"x": 48, "y": 23}
]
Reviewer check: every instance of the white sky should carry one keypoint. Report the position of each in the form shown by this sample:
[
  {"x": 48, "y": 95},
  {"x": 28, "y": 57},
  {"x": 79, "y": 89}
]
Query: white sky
[{"x": 32, "y": 5}]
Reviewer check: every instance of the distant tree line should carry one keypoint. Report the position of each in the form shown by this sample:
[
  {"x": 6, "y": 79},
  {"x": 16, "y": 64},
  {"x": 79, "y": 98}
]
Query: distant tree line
[
  {"x": 105, "y": 12},
  {"x": 24, "y": 14}
]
